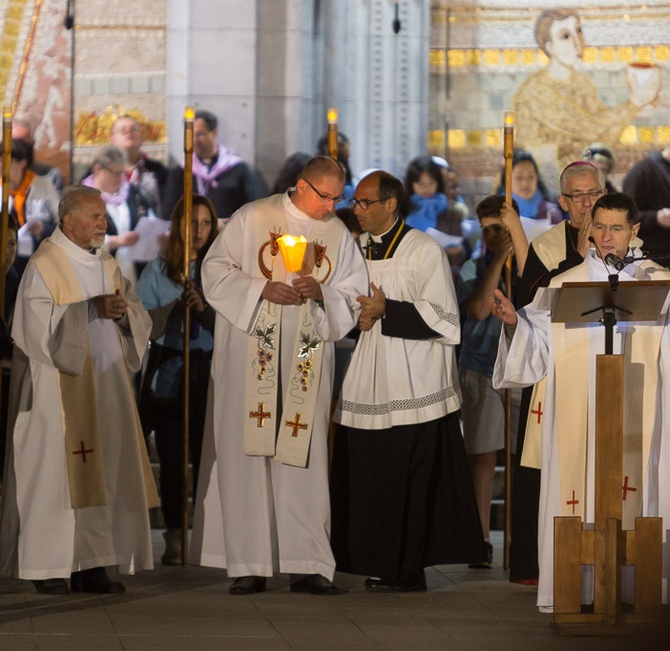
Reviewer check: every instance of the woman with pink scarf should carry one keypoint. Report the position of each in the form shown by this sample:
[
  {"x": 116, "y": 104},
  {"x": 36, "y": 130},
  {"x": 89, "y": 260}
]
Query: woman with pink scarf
[{"x": 124, "y": 203}]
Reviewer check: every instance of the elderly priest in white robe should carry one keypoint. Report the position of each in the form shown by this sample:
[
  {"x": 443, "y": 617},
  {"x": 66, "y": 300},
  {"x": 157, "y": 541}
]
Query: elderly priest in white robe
[
  {"x": 532, "y": 348},
  {"x": 77, "y": 479},
  {"x": 264, "y": 469}
]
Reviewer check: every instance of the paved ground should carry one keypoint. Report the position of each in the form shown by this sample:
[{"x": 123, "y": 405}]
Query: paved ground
[{"x": 190, "y": 608}]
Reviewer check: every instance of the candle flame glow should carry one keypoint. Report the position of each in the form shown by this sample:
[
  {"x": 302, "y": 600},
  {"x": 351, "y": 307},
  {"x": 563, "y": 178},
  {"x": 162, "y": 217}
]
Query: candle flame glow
[
  {"x": 332, "y": 116},
  {"x": 292, "y": 251},
  {"x": 189, "y": 113}
]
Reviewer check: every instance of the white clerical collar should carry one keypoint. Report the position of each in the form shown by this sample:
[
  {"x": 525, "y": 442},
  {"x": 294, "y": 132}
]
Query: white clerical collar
[
  {"x": 378, "y": 238},
  {"x": 294, "y": 211},
  {"x": 73, "y": 250}
]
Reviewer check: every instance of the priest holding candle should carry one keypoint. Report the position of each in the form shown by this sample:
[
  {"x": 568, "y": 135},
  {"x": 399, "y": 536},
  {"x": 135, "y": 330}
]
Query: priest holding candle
[{"x": 263, "y": 504}]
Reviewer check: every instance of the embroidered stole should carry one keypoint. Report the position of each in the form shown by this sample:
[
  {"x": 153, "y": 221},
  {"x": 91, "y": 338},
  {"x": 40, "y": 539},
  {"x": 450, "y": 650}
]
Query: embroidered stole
[
  {"x": 263, "y": 372},
  {"x": 77, "y": 393},
  {"x": 574, "y": 367},
  {"x": 551, "y": 249}
]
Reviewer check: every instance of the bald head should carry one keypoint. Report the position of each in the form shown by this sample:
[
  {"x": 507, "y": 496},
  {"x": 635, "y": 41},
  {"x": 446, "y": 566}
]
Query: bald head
[
  {"x": 319, "y": 187},
  {"x": 321, "y": 166}
]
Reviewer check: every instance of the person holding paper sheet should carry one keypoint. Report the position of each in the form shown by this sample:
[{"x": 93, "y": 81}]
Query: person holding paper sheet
[
  {"x": 263, "y": 504},
  {"x": 125, "y": 206},
  {"x": 33, "y": 199},
  {"x": 532, "y": 348}
]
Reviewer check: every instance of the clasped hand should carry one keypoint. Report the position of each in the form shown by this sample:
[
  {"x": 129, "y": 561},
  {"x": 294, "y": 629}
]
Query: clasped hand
[
  {"x": 193, "y": 298},
  {"x": 373, "y": 308},
  {"x": 296, "y": 293},
  {"x": 110, "y": 306}
]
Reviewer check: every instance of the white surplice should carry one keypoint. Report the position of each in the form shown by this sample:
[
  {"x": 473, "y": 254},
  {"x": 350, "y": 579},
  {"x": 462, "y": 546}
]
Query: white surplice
[
  {"x": 255, "y": 515},
  {"x": 530, "y": 356},
  {"x": 42, "y": 536},
  {"x": 393, "y": 381}
]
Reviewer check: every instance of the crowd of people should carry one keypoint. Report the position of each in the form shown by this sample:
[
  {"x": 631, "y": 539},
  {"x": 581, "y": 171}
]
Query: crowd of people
[{"x": 443, "y": 311}]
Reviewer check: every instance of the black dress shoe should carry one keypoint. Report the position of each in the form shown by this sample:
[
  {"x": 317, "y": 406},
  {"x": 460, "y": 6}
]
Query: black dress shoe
[
  {"x": 51, "y": 586},
  {"x": 247, "y": 585},
  {"x": 95, "y": 580},
  {"x": 314, "y": 584},
  {"x": 415, "y": 583}
]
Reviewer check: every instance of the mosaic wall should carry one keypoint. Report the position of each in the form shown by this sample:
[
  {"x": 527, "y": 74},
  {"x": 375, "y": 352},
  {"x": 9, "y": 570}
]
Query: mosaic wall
[
  {"x": 119, "y": 67},
  {"x": 35, "y": 72},
  {"x": 608, "y": 82}
]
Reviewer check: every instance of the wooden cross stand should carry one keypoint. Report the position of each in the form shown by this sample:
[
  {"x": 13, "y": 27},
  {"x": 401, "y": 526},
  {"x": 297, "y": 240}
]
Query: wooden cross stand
[{"x": 606, "y": 546}]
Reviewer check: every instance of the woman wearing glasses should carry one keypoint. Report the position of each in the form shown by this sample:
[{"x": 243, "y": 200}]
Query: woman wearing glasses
[{"x": 124, "y": 203}]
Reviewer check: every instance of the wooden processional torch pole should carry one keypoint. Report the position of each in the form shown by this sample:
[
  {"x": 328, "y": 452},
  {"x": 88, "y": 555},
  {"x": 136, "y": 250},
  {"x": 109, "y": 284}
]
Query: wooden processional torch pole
[
  {"x": 4, "y": 224},
  {"x": 333, "y": 148},
  {"x": 189, "y": 116},
  {"x": 508, "y": 144}
]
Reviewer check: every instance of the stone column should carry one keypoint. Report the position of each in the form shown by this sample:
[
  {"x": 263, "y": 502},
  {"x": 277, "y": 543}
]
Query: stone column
[{"x": 212, "y": 64}]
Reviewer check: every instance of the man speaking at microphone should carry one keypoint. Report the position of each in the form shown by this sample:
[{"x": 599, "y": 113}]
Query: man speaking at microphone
[{"x": 532, "y": 348}]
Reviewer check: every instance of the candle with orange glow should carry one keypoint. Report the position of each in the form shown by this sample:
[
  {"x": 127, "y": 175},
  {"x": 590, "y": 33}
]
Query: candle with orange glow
[
  {"x": 6, "y": 162},
  {"x": 292, "y": 251},
  {"x": 189, "y": 118},
  {"x": 332, "y": 133},
  {"x": 508, "y": 148}
]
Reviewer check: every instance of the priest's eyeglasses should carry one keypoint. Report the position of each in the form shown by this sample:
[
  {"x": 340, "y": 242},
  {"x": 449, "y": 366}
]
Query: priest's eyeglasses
[
  {"x": 581, "y": 197},
  {"x": 366, "y": 203},
  {"x": 326, "y": 197}
]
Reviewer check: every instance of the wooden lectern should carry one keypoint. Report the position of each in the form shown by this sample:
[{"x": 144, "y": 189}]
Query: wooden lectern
[{"x": 607, "y": 547}]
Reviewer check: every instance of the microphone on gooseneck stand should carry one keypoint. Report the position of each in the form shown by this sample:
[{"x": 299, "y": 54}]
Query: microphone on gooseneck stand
[
  {"x": 615, "y": 261},
  {"x": 610, "y": 259}
]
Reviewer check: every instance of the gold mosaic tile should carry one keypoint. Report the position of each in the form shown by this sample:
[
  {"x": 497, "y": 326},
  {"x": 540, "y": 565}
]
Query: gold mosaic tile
[
  {"x": 643, "y": 54},
  {"x": 473, "y": 138},
  {"x": 528, "y": 57},
  {"x": 493, "y": 138},
  {"x": 15, "y": 11},
  {"x": 12, "y": 28},
  {"x": 437, "y": 58},
  {"x": 662, "y": 135},
  {"x": 661, "y": 53},
  {"x": 510, "y": 57},
  {"x": 626, "y": 54},
  {"x": 646, "y": 135},
  {"x": 629, "y": 136},
  {"x": 492, "y": 57},
  {"x": 608, "y": 54},
  {"x": 460, "y": 138},
  {"x": 436, "y": 139},
  {"x": 456, "y": 138},
  {"x": 456, "y": 58},
  {"x": 590, "y": 55}
]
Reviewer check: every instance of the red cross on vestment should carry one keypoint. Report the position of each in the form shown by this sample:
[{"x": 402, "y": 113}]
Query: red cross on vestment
[
  {"x": 296, "y": 424},
  {"x": 626, "y": 488},
  {"x": 83, "y": 451},
  {"x": 573, "y": 501},
  {"x": 260, "y": 415},
  {"x": 539, "y": 412}
]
